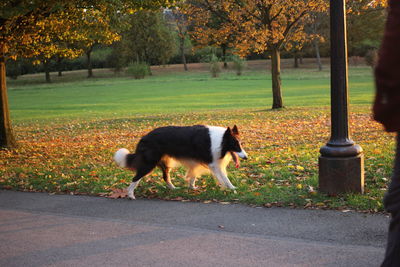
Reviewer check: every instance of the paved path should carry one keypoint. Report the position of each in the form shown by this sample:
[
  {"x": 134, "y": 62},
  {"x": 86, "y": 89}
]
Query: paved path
[{"x": 38, "y": 229}]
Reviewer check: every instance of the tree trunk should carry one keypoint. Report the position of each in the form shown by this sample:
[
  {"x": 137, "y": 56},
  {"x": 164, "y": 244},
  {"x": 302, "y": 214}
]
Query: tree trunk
[
  {"x": 296, "y": 60},
  {"x": 7, "y": 139},
  {"x": 317, "y": 54},
  {"x": 224, "y": 56},
  {"x": 59, "y": 59},
  {"x": 276, "y": 78},
  {"x": 89, "y": 63},
  {"x": 182, "y": 48},
  {"x": 47, "y": 70}
]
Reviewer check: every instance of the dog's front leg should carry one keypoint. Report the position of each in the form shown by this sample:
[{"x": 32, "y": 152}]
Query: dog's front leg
[
  {"x": 166, "y": 175},
  {"x": 192, "y": 183},
  {"x": 221, "y": 176}
]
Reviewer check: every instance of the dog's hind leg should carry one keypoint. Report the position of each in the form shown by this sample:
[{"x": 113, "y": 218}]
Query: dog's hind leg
[
  {"x": 141, "y": 172},
  {"x": 166, "y": 175},
  {"x": 191, "y": 177},
  {"x": 192, "y": 183},
  {"x": 131, "y": 189}
]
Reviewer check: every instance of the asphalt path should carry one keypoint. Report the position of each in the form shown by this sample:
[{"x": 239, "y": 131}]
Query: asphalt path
[{"x": 38, "y": 229}]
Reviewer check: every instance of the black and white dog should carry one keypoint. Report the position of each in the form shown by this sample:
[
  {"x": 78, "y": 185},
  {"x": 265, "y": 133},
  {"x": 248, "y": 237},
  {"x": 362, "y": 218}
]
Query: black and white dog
[{"x": 199, "y": 148}]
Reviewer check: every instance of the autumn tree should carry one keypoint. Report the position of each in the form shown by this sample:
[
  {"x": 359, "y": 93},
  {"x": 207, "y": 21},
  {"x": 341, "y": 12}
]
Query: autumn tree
[
  {"x": 261, "y": 26},
  {"x": 72, "y": 32},
  {"x": 97, "y": 27},
  {"x": 59, "y": 32},
  {"x": 209, "y": 25},
  {"x": 20, "y": 27}
]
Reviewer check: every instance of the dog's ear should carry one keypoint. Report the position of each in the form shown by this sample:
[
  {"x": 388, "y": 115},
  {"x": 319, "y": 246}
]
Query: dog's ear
[
  {"x": 229, "y": 132},
  {"x": 235, "y": 130}
]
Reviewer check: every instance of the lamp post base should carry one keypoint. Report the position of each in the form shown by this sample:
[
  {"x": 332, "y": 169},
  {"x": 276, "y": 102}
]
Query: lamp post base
[{"x": 341, "y": 174}]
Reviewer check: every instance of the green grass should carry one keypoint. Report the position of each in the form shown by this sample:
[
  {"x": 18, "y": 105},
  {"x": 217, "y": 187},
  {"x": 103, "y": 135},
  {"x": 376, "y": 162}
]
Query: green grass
[
  {"x": 124, "y": 97},
  {"x": 74, "y": 125}
]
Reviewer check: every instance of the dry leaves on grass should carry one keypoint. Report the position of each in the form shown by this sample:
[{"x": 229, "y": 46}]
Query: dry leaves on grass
[{"x": 282, "y": 167}]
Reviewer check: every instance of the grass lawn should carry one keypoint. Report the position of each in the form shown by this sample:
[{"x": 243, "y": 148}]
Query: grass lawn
[{"x": 68, "y": 131}]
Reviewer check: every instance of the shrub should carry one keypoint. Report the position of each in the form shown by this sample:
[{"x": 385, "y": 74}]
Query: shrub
[
  {"x": 116, "y": 58},
  {"x": 215, "y": 68},
  {"x": 239, "y": 64},
  {"x": 138, "y": 70},
  {"x": 100, "y": 56}
]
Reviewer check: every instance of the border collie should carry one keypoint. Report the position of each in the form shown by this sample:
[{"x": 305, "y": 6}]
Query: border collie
[{"x": 199, "y": 148}]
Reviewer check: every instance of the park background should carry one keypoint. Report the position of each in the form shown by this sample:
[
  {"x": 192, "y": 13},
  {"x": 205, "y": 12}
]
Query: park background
[{"x": 75, "y": 100}]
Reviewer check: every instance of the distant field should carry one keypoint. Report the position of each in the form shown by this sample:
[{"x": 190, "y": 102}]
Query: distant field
[
  {"x": 74, "y": 96},
  {"x": 68, "y": 130}
]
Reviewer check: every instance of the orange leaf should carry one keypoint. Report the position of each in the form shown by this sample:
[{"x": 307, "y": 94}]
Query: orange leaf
[{"x": 118, "y": 193}]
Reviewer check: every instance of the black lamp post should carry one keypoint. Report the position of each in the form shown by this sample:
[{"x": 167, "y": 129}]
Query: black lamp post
[{"x": 341, "y": 164}]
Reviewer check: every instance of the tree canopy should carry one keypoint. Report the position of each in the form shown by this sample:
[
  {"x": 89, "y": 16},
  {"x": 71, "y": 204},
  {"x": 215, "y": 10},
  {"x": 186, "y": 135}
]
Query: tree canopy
[
  {"x": 148, "y": 38},
  {"x": 25, "y": 23},
  {"x": 24, "y": 32}
]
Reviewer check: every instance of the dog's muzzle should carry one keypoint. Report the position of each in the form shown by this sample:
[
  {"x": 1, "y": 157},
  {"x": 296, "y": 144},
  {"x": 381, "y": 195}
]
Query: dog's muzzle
[{"x": 242, "y": 154}]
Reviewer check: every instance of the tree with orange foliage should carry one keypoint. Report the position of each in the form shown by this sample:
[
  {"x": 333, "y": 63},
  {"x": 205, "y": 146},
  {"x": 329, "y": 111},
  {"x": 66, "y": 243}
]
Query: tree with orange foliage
[
  {"x": 209, "y": 27},
  {"x": 58, "y": 37},
  {"x": 22, "y": 30},
  {"x": 258, "y": 26}
]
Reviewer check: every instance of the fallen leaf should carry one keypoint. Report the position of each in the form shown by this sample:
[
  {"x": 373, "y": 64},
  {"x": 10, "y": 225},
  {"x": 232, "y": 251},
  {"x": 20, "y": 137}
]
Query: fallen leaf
[
  {"x": 118, "y": 193},
  {"x": 300, "y": 168},
  {"x": 177, "y": 199}
]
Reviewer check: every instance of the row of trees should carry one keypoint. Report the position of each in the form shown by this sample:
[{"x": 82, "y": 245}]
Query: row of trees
[
  {"x": 56, "y": 30},
  {"x": 157, "y": 37}
]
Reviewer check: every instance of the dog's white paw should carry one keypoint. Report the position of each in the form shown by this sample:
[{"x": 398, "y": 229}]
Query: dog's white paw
[
  {"x": 193, "y": 187},
  {"x": 131, "y": 196},
  {"x": 171, "y": 186}
]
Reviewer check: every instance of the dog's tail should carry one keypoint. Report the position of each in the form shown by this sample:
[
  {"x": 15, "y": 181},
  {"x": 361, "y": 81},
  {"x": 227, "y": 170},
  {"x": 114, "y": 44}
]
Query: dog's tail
[{"x": 124, "y": 158}]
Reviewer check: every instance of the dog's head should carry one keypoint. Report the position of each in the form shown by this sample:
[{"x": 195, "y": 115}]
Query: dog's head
[{"x": 231, "y": 141}]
